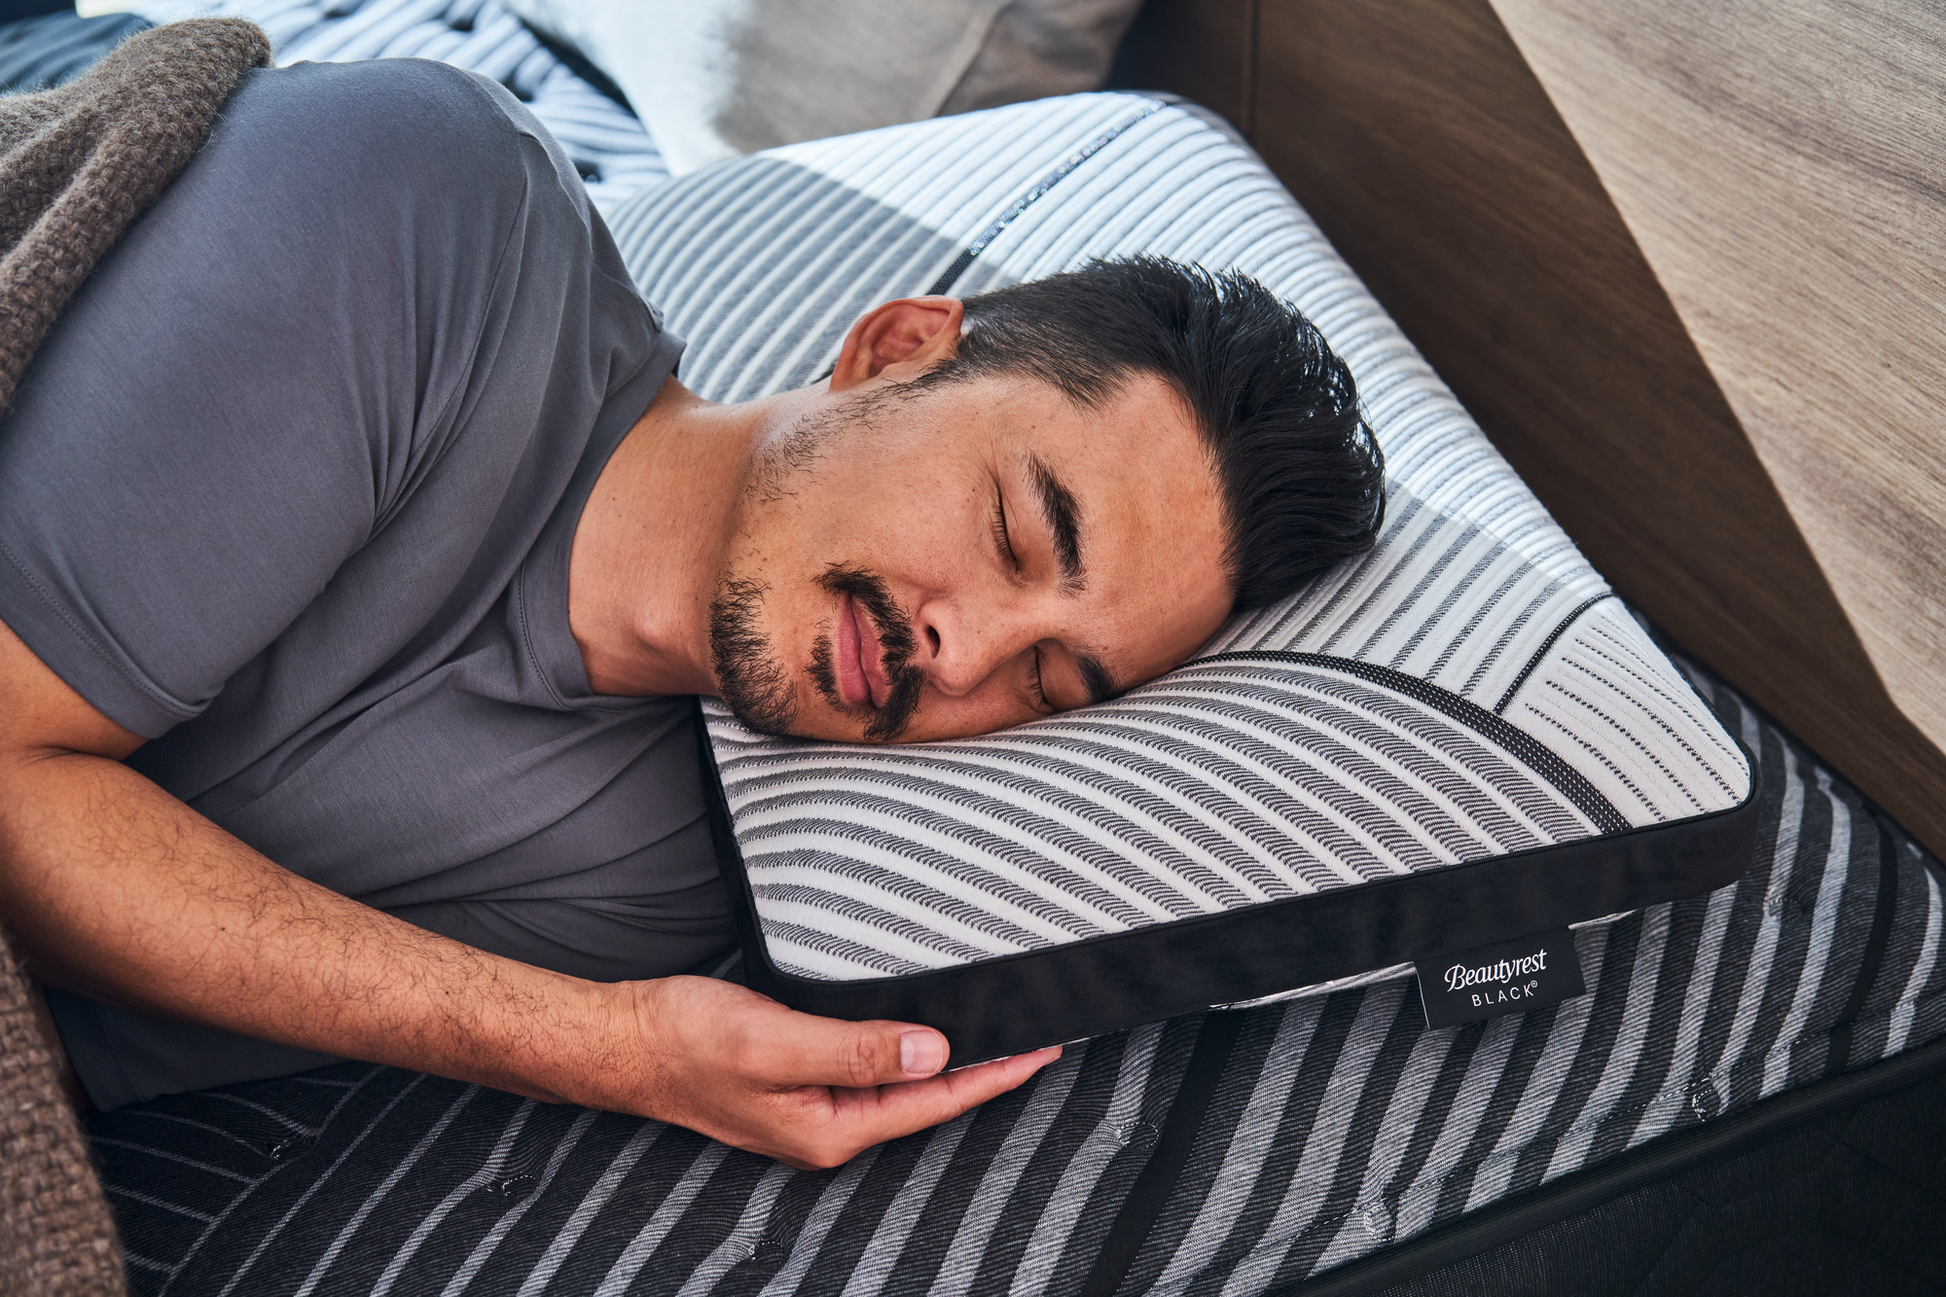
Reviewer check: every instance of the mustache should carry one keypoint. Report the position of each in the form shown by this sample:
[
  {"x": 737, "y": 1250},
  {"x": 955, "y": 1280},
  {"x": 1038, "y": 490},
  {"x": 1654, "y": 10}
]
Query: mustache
[{"x": 870, "y": 592}]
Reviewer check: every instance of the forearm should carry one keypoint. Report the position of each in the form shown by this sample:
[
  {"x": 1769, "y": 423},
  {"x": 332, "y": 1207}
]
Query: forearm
[{"x": 114, "y": 888}]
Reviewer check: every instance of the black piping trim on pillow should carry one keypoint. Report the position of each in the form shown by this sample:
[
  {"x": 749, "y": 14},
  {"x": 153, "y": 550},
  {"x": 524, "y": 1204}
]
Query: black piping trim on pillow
[
  {"x": 1530, "y": 751},
  {"x": 1500, "y": 708},
  {"x": 1013, "y": 1003},
  {"x": 1028, "y": 199}
]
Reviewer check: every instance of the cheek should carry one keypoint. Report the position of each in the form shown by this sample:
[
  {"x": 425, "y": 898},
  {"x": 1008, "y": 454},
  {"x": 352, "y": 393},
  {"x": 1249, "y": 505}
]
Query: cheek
[
  {"x": 922, "y": 532},
  {"x": 995, "y": 707}
]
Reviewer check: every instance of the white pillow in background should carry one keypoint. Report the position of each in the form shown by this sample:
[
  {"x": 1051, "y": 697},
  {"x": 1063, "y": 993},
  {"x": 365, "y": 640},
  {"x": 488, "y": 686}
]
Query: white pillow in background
[{"x": 714, "y": 79}]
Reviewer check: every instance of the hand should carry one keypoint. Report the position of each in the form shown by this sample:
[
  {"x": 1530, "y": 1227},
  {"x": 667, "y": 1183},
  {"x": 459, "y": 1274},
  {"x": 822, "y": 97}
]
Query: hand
[{"x": 811, "y": 1092}]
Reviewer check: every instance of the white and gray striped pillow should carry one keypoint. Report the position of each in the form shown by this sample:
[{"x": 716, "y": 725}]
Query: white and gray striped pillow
[{"x": 1461, "y": 738}]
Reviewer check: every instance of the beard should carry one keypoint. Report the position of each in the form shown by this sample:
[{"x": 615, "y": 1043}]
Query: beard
[
  {"x": 757, "y": 687},
  {"x": 749, "y": 678}
]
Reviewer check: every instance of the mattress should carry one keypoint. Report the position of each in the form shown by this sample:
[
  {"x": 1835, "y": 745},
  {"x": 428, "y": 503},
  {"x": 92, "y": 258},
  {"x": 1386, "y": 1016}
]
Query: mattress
[
  {"x": 1460, "y": 740},
  {"x": 1240, "y": 1151}
]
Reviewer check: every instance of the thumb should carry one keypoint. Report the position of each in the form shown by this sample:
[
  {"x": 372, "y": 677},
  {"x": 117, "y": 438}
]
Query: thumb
[{"x": 802, "y": 1049}]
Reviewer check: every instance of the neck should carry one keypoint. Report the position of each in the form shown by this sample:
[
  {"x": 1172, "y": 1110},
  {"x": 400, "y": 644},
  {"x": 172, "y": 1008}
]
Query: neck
[{"x": 653, "y": 538}]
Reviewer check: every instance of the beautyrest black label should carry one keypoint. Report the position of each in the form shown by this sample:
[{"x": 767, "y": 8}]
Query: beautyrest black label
[{"x": 1507, "y": 977}]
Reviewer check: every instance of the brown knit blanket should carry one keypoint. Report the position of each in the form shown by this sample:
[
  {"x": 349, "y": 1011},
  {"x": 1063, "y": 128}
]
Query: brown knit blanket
[
  {"x": 80, "y": 162},
  {"x": 56, "y": 1235}
]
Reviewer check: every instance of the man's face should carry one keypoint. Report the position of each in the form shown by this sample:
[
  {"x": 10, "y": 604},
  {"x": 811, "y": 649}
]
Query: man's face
[{"x": 952, "y": 562}]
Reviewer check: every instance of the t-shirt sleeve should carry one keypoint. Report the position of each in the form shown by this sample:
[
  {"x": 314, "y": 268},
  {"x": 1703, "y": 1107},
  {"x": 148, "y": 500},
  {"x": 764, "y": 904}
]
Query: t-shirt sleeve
[{"x": 253, "y": 380}]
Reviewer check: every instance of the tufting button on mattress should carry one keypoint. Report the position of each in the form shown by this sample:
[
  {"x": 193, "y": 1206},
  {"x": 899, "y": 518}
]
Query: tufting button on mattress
[{"x": 1705, "y": 1098}]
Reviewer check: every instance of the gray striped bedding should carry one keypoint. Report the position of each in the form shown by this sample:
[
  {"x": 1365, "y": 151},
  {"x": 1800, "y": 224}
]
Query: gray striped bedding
[
  {"x": 606, "y": 142},
  {"x": 1469, "y": 692},
  {"x": 1325, "y": 1129}
]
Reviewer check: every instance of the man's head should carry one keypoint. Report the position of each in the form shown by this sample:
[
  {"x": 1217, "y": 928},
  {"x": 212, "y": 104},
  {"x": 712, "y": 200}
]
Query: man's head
[{"x": 1036, "y": 499}]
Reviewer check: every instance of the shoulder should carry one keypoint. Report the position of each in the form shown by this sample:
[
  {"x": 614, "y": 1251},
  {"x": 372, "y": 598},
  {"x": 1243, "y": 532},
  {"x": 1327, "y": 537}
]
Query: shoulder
[
  {"x": 364, "y": 94},
  {"x": 405, "y": 119}
]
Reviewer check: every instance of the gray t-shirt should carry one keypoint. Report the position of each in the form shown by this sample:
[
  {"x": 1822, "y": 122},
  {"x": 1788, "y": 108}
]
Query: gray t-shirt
[{"x": 291, "y": 489}]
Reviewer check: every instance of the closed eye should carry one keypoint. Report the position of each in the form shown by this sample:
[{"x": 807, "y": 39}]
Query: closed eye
[{"x": 1002, "y": 538}]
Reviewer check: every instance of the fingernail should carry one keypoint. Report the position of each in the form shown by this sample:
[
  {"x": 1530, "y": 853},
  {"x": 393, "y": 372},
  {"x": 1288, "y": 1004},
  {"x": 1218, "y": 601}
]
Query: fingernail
[{"x": 921, "y": 1053}]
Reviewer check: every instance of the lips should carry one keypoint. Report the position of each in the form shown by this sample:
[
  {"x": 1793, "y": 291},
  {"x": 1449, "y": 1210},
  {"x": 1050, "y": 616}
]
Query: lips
[{"x": 861, "y": 659}]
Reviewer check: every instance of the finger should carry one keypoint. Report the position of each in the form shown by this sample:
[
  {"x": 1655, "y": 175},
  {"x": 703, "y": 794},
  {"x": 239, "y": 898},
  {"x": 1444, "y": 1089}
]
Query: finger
[
  {"x": 826, "y": 1128},
  {"x": 788, "y": 1049},
  {"x": 969, "y": 1087},
  {"x": 818, "y": 1127},
  {"x": 872, "y": 1116},
  {"x": 771, "y": 1047}
]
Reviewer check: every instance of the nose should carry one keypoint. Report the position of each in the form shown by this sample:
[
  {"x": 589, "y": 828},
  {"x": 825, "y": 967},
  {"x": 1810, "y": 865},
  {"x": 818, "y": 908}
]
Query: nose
[{"x": 960, "y": 646}]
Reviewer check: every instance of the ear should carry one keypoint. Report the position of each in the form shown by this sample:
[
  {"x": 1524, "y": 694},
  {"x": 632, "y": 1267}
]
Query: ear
[{"x": 904, "y": 336}]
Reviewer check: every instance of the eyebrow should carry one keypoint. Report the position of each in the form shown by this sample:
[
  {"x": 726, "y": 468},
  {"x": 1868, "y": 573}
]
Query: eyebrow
[{"x": 1064, "y": 520}]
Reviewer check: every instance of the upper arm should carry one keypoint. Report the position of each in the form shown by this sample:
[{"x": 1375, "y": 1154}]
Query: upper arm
[
  {"x": 254, "y": 382},
  {"x": 40, "y": 713}
]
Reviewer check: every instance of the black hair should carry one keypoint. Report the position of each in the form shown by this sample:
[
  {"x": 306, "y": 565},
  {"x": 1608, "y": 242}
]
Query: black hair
[{"x": 1302, "y": 478}]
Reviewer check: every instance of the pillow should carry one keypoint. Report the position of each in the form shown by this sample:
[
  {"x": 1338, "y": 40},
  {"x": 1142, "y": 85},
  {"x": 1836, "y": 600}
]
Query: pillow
[
  {"x": 719, "y": 79},
  {"x": 1460, "y": 739}
]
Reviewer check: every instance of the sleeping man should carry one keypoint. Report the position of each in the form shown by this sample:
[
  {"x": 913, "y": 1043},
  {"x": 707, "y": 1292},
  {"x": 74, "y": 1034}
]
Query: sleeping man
[{"x": 361, "y": 555}]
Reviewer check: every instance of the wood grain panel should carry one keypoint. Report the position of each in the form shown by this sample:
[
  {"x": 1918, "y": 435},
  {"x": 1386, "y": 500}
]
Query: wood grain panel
[
  {"x": 1428, "y": 151},
  {"x": 1200, "y": 49},
  {"x": 1783, "y": 167}
]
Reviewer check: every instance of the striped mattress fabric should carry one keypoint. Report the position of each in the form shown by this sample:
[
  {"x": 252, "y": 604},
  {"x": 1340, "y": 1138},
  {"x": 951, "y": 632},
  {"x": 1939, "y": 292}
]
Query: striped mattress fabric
[
  {"x": 1461, "y": 738},
  {"x": 1230, "y": 1153},
  {"x": 606, "y": 142}
]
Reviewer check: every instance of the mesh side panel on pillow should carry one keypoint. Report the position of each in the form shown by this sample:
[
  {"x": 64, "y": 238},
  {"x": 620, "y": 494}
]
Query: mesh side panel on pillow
[{"x": 1460, "y": 738}]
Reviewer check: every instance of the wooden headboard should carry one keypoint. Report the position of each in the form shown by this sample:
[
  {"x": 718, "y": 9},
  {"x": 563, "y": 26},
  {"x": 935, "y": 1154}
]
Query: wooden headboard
[{"x": 1686, "y": 264}]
